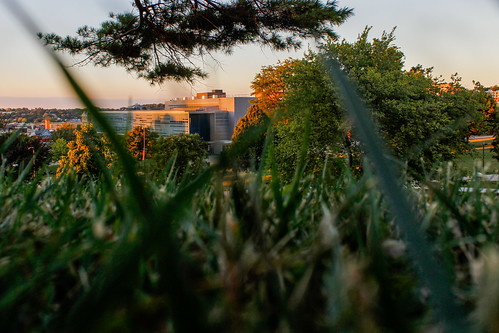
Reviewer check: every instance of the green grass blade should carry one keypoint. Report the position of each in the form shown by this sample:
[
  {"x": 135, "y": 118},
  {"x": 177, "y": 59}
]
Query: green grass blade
[
  {"x": 429, "y": 269},
  {"x": 136, "y": 185},
  {"x": 9, "y": 141}
]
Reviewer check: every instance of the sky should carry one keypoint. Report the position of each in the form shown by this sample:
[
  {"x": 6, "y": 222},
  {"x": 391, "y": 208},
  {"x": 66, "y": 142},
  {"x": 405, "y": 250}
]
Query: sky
[{"x": 452, "y": 36}]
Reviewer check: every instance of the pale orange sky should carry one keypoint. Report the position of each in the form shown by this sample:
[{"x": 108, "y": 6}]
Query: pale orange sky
[{"x": 450, "y": 35}]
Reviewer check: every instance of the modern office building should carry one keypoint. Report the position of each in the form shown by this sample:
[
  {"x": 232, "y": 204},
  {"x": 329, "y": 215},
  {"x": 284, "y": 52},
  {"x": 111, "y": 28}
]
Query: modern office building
[{"x": 212, "y": 115}]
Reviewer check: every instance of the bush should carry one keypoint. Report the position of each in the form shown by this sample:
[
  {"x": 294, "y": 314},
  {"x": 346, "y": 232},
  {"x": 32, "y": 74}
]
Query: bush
[{"x": 188, "y": 152}]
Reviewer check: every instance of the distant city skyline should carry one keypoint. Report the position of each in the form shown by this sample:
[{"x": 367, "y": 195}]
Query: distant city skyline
[{"x": 451, "y": 36}]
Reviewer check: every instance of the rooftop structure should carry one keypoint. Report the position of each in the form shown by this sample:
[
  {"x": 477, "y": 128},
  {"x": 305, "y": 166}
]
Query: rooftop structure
[{"x": 494, "y": 94}]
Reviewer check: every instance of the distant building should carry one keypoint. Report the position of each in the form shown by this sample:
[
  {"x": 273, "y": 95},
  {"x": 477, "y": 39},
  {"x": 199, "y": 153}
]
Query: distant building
[
  {"x": 48, "y": 125},
  {"x": 212, "y": 115},
  {"x": 494, "y": 94},
  {"x": 72, "y": 123},
  {"x": 43, "y": 134}
]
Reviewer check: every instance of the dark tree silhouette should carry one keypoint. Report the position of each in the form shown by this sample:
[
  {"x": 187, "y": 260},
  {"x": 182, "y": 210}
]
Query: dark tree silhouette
[{"x": 158, "y": 40}]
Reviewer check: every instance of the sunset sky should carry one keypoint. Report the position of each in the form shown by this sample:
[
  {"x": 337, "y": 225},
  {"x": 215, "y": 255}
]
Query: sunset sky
[{"x": 449, "y": 35}]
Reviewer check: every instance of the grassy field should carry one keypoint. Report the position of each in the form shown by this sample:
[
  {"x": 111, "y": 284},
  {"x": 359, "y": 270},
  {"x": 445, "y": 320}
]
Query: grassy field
[
  {"x": 477, "y": 159},
  {"x": 77, "y": 252}
]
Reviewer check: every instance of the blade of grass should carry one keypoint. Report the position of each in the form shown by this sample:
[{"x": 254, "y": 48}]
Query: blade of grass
[
  {"x": 429, "y": 269},
  {"x": 117, "y": 279},
  {"x": 9, "y": 141},
  {"x": 293, "y": 201},
  {"x": 136, "y": 185}
]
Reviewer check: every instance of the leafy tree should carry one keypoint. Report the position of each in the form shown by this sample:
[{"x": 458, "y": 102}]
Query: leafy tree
[
  {"x": 22, "y": 150},
  {"x": 158, "y": 39},
  {"x": 188, "y": 150},
  {"x": 269, "y": 86},
  {"x": 487, "y": 108},
  {"x": 250, "y": 131},
  {"x": 59, "y": 149},
  {"x": 249, "y": 136},
  {"x": 138, "y": 139},
  {"x": 420, "y": 116},
  {"x": 84, "y": 152},
  {"x": 110, "y": 155},
  {"x": 463, "y": 107},
  {"x": 294, "y": 93},
  {"x": 66, "y": 132},
  {"x": 310, "y": 105}
]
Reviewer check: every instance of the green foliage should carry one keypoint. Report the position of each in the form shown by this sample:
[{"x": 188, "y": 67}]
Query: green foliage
[
  {"x": 139, "y": 142},
  {"x": 58, "y": 149},
  {"x": 309, "y": 99},
  {"x": 423, "y": 119},
  {"x": 66, "y": 132},
  {"x": 269, "y": 86},
  {"x": 357, "y": 58},
  {"x": 249, "y": 136},
  {"x": 158, "y": 39},
  {"x": 486, "y": 124},
  {"x": 420, "y": 117},
  {"x": 292, "y": 93},
  {"x": 188, "y": 151},
  {"x": 22, "y": 150},
  {"x": 85, "y": 153}
]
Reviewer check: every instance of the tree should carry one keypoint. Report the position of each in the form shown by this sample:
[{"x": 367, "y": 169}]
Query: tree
[
  {"x": 420, "y": 116},
  {"x": 309, "y": 105},
  {"x": 85, "y": 153},
  {"x": 487, "y": 108},
  {"x": 23, "y": 149},
  {"x": 269, "y": 86},
  {"x": 251, "y": 130},
  {"x": 110, "y": 155},
  {"x": 139, "y": 142},
  {"x": 159, "y": 39},
  {"x": 249, "y": 136},
  {"x": 59, "y": 149},
  {"x": 295, "y": 93},
  {"x": 66, "y": 132},
  {"x": 189, "y": 151}
]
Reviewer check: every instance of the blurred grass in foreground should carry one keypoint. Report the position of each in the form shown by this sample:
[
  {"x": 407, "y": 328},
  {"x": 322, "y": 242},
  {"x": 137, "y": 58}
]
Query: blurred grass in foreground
[
  {"x": 76, "y": 255},
  {"x": 475, "y": 159}
]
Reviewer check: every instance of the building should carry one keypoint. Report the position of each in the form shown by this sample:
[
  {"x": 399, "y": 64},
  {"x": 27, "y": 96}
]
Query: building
[
  {"x": 162, "y": 122},
  {"x": 212, "y": 115},
  {"x": 494, "y": 94},
  {"x": 48, "y": 125}
]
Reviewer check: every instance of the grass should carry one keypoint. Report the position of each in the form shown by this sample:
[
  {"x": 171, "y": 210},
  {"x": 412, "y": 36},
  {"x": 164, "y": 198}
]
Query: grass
[
  {"x": 477, "y": 160},
  {"x": 76, "y": 255}
]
